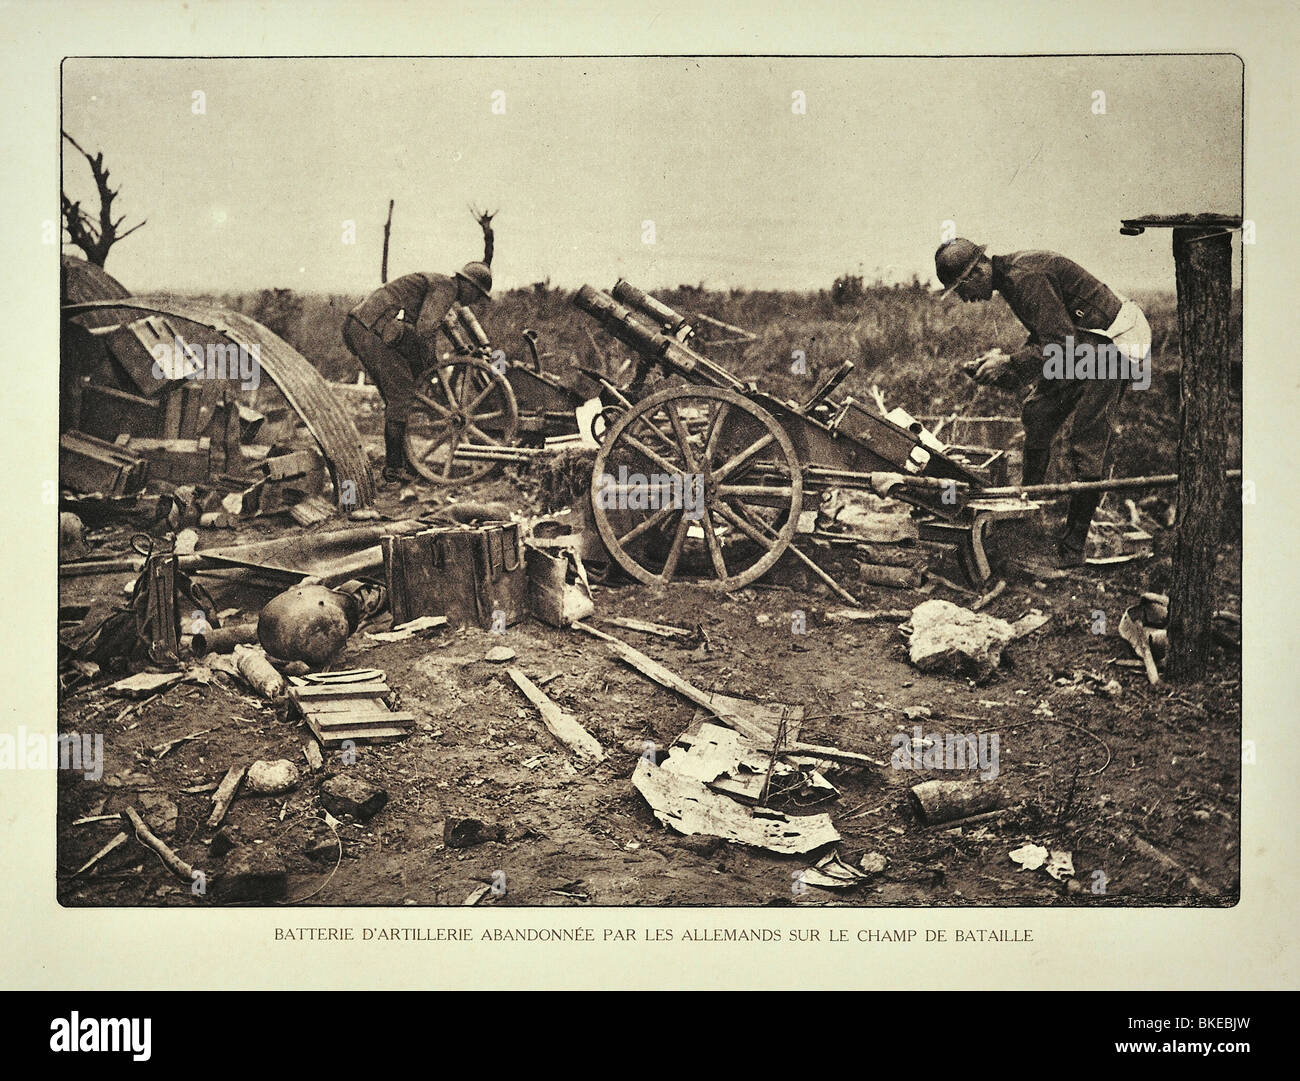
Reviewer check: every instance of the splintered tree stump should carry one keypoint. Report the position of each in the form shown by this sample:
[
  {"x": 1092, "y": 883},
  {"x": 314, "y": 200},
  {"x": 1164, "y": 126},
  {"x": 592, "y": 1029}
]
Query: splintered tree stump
[{"x": 1203, "y": 262}]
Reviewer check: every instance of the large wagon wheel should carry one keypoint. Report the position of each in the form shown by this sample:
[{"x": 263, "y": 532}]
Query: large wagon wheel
[
  {"x": 696, "y": 483},
  {"x": 462, "y": 401}
]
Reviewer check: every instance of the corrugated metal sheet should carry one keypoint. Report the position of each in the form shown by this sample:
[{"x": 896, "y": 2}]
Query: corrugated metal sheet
[
  {"x": 83, "y": 282},
  {"x": 300, "y": 383}
]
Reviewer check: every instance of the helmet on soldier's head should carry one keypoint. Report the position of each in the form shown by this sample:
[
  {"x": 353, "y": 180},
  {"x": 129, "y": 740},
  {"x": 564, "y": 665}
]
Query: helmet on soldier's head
[
  {"x": 954, "y": 261},
  {"x": 479, "y": 275}
]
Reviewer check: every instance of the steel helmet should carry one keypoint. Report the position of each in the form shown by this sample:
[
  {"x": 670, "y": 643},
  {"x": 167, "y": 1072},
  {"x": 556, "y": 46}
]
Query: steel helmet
[
  {"x": 478, "y": 275},
  {"x": 308, "y": 623},
  {"x": 954, "y": 261}
]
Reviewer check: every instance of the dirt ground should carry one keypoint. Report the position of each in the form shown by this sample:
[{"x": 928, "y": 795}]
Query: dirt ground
[{"x": 1117, "y": 781}]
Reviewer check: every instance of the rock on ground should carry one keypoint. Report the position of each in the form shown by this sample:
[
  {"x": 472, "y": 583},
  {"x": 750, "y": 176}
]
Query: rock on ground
[{"x": 949, "y": 638}]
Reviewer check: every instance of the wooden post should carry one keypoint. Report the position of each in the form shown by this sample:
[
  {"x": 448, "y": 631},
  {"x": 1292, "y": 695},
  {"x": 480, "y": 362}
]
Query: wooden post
[{"x": 1203, "y": 265}]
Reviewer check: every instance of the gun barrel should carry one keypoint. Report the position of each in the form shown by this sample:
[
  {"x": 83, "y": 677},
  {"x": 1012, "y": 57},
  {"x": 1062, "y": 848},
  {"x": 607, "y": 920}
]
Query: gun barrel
[
  {"x": 470, "y": 320},
  {"x": 623, "y": 324},
  {"x": 639, "y": 300},
  {"x": 455, "y": 331}
]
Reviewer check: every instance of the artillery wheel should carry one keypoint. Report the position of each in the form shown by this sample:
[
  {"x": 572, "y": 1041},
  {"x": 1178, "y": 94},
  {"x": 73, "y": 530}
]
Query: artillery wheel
[
  {"x": 677, "y": 493},
  {"x": 464, "y": 400}
]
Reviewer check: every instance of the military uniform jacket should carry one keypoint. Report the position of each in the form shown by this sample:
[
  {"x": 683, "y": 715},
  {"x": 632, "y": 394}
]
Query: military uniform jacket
[
  {"x": 1054, "y": 298},
  {"x": 425, "y": 297}
]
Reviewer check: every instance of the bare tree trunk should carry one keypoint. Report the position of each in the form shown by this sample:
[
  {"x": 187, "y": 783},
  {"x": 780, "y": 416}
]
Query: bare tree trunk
[
  {"x": 388, "y": 228},
  {"x": 94, "y": 238},
  {"x": 484, "y": 219},
  {"x": 1203, "y": 263}
]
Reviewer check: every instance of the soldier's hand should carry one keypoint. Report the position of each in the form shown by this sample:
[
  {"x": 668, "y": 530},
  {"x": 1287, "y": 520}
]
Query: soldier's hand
[{"x": 992, "y": 368}]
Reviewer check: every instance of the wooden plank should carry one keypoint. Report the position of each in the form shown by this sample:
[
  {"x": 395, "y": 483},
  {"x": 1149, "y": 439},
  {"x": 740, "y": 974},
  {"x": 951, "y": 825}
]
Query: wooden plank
[
  {"x": 362, "y": 706},
  {"x": 349, "y": 690},
  {"x": 331, "y": 721},
  {"x": 225, "y": 795},
  {"x": 330, "y": 738},
  {"x": 563, "y": 726}
]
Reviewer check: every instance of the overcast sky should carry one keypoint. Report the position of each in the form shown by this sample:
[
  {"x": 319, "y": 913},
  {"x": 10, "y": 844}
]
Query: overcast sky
[{"x": 742, "y": 190}]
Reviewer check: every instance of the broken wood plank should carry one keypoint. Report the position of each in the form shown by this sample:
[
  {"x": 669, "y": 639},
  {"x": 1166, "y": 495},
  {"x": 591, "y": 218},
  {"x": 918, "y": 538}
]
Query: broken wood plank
[
  {"x": 659, "y": 630},
  {"x": 563, "y": 726},
  {"x": 116, "y": 842},
  {"x": 858, "y": 615},
  {"x": 224, "y": 796},
  {"x": 145, "y": 684},
  {"x": 757, "y": 721},
  {"x": 1165, "y": 860},
  {"x": 174, "y": 863},
  {"x": 160, "y": 749},
  {"x": 311, "y": 752}
]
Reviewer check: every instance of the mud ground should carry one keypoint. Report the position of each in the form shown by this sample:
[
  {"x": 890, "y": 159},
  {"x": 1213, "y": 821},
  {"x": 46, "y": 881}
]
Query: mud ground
[{"x": 1157, "y": 763}]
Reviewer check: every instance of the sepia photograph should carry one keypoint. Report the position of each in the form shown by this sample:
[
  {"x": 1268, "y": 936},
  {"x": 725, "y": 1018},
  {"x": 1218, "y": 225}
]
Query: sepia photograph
[{"x": 650, "y": 481}]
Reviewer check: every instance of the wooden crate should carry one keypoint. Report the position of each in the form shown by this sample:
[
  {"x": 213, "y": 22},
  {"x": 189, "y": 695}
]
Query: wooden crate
[{"x": 355, "y": 712}]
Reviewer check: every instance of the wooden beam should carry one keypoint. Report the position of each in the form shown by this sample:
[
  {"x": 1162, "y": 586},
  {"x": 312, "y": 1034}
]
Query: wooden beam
[{"x": 1203, "y": 266}]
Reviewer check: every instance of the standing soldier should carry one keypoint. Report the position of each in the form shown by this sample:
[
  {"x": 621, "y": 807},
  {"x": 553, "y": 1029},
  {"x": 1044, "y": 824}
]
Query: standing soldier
[
  {"x": 393, "y": 333},
  {"x": 1063, "y": 307}
]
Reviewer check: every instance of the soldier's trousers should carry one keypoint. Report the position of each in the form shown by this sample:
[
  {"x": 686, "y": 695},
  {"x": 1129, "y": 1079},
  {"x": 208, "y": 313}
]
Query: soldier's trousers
[
  {"x": 1093, "y": 403},
  {"x": 387, "y": 368}
]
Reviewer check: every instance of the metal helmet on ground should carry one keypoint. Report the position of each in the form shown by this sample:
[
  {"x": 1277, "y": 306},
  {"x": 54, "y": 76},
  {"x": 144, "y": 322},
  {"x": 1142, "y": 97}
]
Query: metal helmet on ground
[
  {"x": 307, "y": 623},
  {"x": 478, "y": 275},
  {"x": 955, "y": 260}
]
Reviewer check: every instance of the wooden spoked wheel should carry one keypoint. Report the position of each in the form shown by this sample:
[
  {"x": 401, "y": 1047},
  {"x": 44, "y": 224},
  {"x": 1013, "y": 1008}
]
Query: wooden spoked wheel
[
  {"x": 696, "y": 483},
  {"x": 461, "y": 402}
]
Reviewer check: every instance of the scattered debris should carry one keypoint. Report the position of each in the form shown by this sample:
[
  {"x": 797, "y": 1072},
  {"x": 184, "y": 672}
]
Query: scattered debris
[
  {"x": 1143, "y": 627},
  {"x": 311, "y": 751},
  {"x": 112, "y": 845},
  {"x": 145, "y": 684},
  {"x": 499, "y": 654},
  {"x": 561, "y": 725},
  {"x": 408, "y": 630},
  {"x": 659, "y": 630},
  {"x": 873, "y": 863},
  {"x": 142, "y": 833},
  {"x": 857, "y": 615},
  {"x": 467, "y": 832},
  {"x": 271, "y": 778},
  {"x": 944, "y": 801},
  {"x": 224, "y": 797},
  {"x": 160, "y": 749},
  {"x": 251, "y": 873},
  {"x": 1030, "y": 856},
  {"x": 832, "y": 873},
  {"x": 689, "y": 807},
  {"x": 349, "y": 795},
  {"x": 258, "y": 673},
  {"x": 946, "y": 637},
  {"x": 1061, "y": 865},
  {"x": 158, "y": 811},
  {"x": 338, "y": 712}
]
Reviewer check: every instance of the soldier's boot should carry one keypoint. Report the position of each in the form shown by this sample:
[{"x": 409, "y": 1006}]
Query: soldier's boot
[
  {"x": 396, "y": 469},
  {"x": 1071, "y": 545}
]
